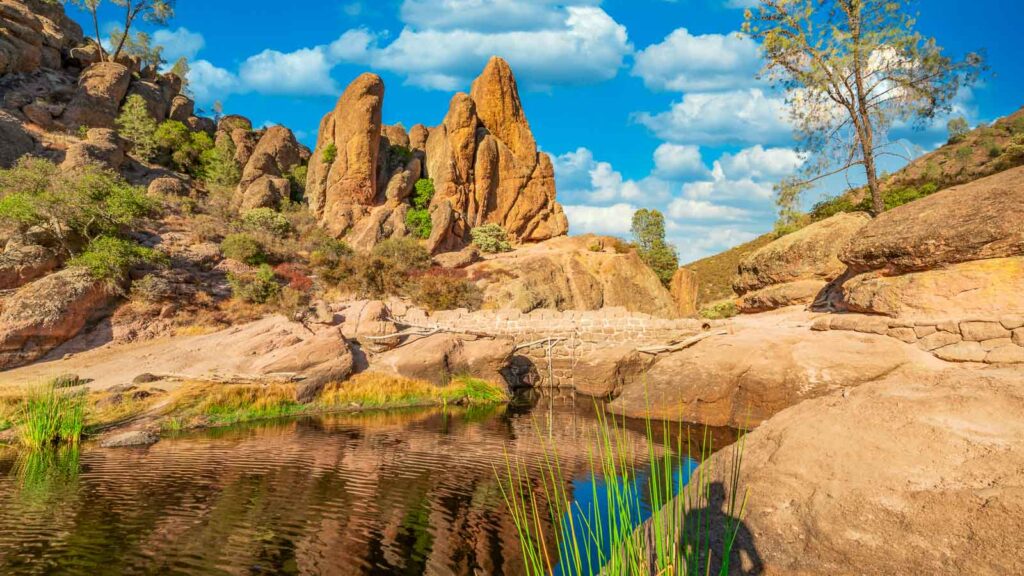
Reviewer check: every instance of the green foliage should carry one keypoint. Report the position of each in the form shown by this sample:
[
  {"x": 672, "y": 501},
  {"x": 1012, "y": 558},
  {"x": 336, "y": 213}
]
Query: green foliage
[
  {"x": 443, "y": 289},
  {"x": 832, "y": 206},
  {"x": 110, "y": 259},
  {"x": 50, "y": 416},
  {"x": 257, "y": 287},
  {"x": 648, "y": 229},
  {"x": 964, "y": 153},
  {"x": 329, "y": 154},
  {"x": 139, "y": 45},
  {"x": 720, "y": 311},
  {"x": 184, "y": 148},
  {"x": 491, "y": 238},
  {"x": 74, "y": 207},
  {"x": 418, "y": 221},
  {"x": 181, "y": 69},
  {"x": 218, "y": 164},
  {"x": 137, "y": 125},
  {"x": 958, "y": 129},
  {"x": 297, "y": 177},
  {"x": 423, "y": 194},
  {"x": 244, "y": 248},
  {"x": 328, "y": 254},
  {"x": 267, "y": 219},
  {"x": 892, "y": 198}
]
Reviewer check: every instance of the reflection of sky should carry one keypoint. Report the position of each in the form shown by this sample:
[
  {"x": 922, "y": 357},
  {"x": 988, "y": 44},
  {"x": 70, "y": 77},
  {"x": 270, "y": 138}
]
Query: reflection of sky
[{"x": 590, "y": 506}]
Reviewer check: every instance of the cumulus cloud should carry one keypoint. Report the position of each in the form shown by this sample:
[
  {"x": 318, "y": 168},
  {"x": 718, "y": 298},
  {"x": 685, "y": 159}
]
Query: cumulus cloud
[
  {"x": 679, "y": 162},
  {"x": 485, "y": 15},
  {"x": 684, "y": 62},
  {"x": 208, "y": 82},
  {"x": 613, "y": 220},
  {"x": 738, "y": 116},
  {"x": 691, "y": 209},
  {"x": 582, "y": 178},
  {"x": 696, "y": 242},
  {"x": 306, "y": 71},
  {"x": 180, "y": 43},
  {"x": 762, "y": 163}
]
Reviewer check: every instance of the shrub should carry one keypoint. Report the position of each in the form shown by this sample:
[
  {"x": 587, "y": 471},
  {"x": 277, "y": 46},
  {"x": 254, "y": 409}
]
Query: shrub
[
  {"x": 152, "y": 289},
  {"x": 297, "y": 177},
  {"x": 423, "y": 193},
  {"x": 406, "y": 253},
  {"x": 74, "y": 207},
  {"x": 964, "y": 153},
  {"x": 183, "y": 148},
  {"x": 490, "y": 238},
  {"x": 995, "y": 151},
  {"x": 108, "y": 258},
  {"x": 387, "y": 270},
  {"x": 267, "y": 219},
  {"x": 218, "y": 164},
  {"x": 720, "y": 311},
  {"x": 257, "y": 287},
  {"x": 444, "y": 289},
  {"x": 328, "y": 253},
  {"x": 294, "y": 276},
  {"x": 137, "y": 126},
  {"x": 418, "y": 221},
  {"x": 832, "y": 206},
  {"x": 329, "y": 154},
  {"x": 958, "y": 129},
  {"x": 244, "y": 248}
]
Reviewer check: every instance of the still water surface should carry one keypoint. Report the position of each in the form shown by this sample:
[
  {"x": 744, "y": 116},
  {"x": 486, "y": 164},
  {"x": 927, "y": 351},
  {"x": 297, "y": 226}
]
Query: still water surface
[{"x": 411, "y": 492}]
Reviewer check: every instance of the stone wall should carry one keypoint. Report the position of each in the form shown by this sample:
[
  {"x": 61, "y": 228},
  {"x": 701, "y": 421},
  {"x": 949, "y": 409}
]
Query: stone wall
[
  {"x": 982, "y": 340},
  {"x": 551, "y": 343}
]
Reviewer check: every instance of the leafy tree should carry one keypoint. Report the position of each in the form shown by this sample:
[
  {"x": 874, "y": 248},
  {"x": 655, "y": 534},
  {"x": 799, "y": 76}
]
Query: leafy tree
[
  {"x": 417, "y": 219},
  {"x": 181, "y": 70},
  {"x": 218, "y": 163},
  {"x": 109, "y": 258},
  {"x": 153, "y": 11},
  {"x": 184, "y": 148},
  {"x": 137, "y": 125},
  {"x": 958, "y": 129},
  {"x": 140, "y": 45},
  {"x": 851, "y": 68},
  {"x": 648, "y": 230},
  {"x": 490, "y": 238}
]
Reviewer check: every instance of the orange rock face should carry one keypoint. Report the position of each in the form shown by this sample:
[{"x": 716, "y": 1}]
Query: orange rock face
[{"x": 482, "y": 159}]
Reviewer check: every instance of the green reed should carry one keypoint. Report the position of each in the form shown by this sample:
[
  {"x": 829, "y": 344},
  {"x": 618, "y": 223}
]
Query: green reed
[
  {"x": 687, "y": 532},
  {"x": 51, "y": 416}
]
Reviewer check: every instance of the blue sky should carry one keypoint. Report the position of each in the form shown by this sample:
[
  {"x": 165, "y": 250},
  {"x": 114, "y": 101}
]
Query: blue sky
[{"x": 642, "y": 103}]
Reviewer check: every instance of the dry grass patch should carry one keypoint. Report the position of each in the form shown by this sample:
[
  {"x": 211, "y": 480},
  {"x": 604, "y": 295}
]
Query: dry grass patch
[{"x": 377, "y": 389}]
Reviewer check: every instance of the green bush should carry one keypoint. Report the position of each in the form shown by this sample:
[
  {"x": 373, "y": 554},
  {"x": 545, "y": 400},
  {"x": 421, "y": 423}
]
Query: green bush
[
  {"x": 490, "y": 238},
  {"x": 329, "y": 154},
  {"x": 257, "y": 287},
  {"x": 328, "y": 253},
  {"x": 720, "y": 311},
  {"x": 964, "y": 153},
  {"x": 72, "y": 206},
  {"x": 405, "y": 253},
  {"x": 137, "y": 125},
  {"x": 423, "y": 193},
  {"x": 958, "y": 129},
  {"x": 110, "y": 259},
  {"x": 218, "y": 164},
  {"x": 648, "y": 229},
  {"x": 418, "y": 221},
  {"x": 267, "y": 219},
  {"x": 244, "y": 248},
  {"x": 183, "y": 148},
  {"x": 297, "y": 177},
  {"x": 442, "y": 289},
  {"x": 832, "y": 206}
]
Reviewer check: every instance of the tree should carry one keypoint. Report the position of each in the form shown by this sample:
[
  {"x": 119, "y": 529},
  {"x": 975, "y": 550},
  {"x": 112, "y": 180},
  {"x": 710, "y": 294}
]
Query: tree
[
  {"x": 850, "y": 69},
  {"x": 137, "y": 126},
  {"x": 140, "y": 45},
  {"x": 181, "y": 70},
  {"x": 958, "y": 129},
  {"x": 153, "y": 11},
  {"x": 648, "y": 230}
]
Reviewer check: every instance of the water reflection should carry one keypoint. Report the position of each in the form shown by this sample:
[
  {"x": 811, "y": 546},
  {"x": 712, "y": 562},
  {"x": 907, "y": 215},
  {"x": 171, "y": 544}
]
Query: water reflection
[{"x": 412, "y": 492}]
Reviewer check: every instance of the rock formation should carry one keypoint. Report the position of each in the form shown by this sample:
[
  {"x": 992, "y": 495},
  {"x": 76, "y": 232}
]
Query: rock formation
[
  {"x": 15, "y": 141},
  {"x": 684, "y": 289},
  {"x": 101, "y": 88},
  {"x": 264, "y": 182},
  {"x": 482, "y": 159},
  {"x": 795, "y": 268},
  {"x": 34, "y": 34}
]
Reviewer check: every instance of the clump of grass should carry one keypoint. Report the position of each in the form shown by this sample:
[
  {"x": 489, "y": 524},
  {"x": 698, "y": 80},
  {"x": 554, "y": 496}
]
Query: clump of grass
[
  {"x": 677, "y": 529},
  {"x": 226, "y": 404},
  {"x": 50, "y": 416},
  {"x": 377, "y": 389}
]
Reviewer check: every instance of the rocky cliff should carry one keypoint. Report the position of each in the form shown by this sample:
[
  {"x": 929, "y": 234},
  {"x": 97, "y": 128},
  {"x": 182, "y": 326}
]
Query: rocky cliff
[{"x": 483, "y": 161}]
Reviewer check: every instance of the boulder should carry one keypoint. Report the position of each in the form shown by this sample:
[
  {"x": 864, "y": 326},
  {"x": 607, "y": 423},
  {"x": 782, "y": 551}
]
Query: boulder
[
  {"x": 202, "y": 124},
  {"x": 101, "y": 147},
  {"x": 438, "y": 357},
  {"x": 684, "y": 289},
  {"x": 39, "y": 114},
  {"x": 919, "y": 473},
  {"x": 461, "y": 259},
  {"x": 982, "y": 288},
  {"x": 15, "y": 141},
  {"x": 33, "y": 34},
  {"x": 153, "y": 95},
  {"x": 809, "y": 254},
  {"x": 22, "y": 264},
  {"x": 130, "y": 439},
  {"x": 265, "y": 192},
  {"x": 352, "y": 130},
  {"x": 800, "y": 292},
  {"x": 379, "y": 223},
  {"x": 605, "y": 372},
  {"x": 101, "y": 88},
  {"x": 46, "y": 313},
  {"x": 169, "y": 186},
  {"x": 276, "y": 154},
  {"x": 245, "y": 142},
  {"x": 565, "y": 274},
  {"x": 233, "y": 122},
  {"x": 739, "y": 380},
  {"x": 181, "y": 108},
  {"x": 974, "y": 221},
  {"x": 370, "y": 324}
]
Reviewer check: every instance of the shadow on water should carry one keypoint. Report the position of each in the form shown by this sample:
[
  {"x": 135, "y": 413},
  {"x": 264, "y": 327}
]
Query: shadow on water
[{"x": 398, "y": 492}]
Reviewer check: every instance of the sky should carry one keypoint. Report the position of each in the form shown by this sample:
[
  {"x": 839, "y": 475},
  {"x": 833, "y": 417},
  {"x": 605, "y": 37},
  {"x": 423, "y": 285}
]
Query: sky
[{"x": 641, "y": 103}]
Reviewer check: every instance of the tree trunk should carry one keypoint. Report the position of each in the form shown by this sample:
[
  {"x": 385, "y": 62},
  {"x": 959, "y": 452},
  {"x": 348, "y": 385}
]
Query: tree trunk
[
  {"x": 877, "y": 203},
  {"x": 99, "y": 40}
]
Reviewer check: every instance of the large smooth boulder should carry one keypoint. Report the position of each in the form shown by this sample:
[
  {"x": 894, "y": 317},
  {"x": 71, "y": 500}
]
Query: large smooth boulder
[
  {"x": 438, "y": 357},
  {"x": 101, "y": 88},
  {"x": 276, "y": 154},
  {"x": 46, "y": 313},
  {"x": 982, "y": 289},
  {"x": 232, "y": 122},
  {"x": 33, "y": 34},
  {"x": 809, "y": 255},
  {"x": 181, "y": 108},
  {"x": 605, "y": 372},
  {"x": 739, "y": 380},
  {"x": 102, "y": 147},
  {"x": 975, "y": 221},
  {"x": 566, "y": 274},
  {"x": 352, "y": 131},
  {"x": 920, "y": 473},
  {"x": 15, "y": 141},
  {"x": 153, "y": 95},
  {"x": 371, "y": 325},
  {"x": 780, "y": 296}
]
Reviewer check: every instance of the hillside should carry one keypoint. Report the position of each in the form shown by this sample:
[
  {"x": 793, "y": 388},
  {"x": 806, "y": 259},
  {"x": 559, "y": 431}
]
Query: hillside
[{"x": 981, "y": 152}]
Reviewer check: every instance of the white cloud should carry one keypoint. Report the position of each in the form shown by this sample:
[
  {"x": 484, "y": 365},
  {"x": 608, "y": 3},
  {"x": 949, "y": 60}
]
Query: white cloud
[
  {"x": 582, "y": 178},
  {"x": 742, "y": 3},
  {"x": 180, "y": 43},
  {"x": 614, "y": 220},
  {"x": 306, "y": 72},
  {"x": 721, "y": 188},
  {"x": 686, "y": 63},
  {"x": 743, "y": 116},
  {"x": 695, "y": 243},
  {"x": 485, "y": 15},
  {"x": 208, "y": 82},
  {"x": 690, "y": 209},
  {"x": 679, "y": 162},
  {"x": 761, "y": 163}
]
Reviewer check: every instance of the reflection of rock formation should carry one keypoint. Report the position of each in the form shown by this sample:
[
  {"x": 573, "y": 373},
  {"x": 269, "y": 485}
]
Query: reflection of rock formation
[
  {"x": 385, "y": 493},
  {"x": 483, "y": 160}
]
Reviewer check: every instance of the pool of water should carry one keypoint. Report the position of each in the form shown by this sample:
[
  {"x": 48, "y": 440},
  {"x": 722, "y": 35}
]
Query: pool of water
[{"x": 410, "y": 492}]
